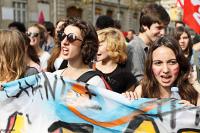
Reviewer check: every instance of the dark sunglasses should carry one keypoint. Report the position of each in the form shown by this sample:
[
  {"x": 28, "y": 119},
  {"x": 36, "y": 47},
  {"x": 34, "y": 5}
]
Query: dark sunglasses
[
  {"x": 32, "y": 34},
  {"x": 70, "y": 37}
]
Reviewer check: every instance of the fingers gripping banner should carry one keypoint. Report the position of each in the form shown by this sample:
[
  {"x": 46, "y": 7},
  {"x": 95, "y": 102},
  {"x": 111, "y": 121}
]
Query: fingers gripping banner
[{"x": 46, "y": 103}]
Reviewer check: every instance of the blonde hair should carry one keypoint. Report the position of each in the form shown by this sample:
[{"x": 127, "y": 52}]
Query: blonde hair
[
  {"x": 12, "y": 55},
  {"x": 115, "y": 42}
]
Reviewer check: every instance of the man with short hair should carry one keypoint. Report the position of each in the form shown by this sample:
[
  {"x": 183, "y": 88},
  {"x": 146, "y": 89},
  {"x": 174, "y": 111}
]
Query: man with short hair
[
  {"x": 49, "y": 35},
  {"x": 153, "y": 21},
  {"x": 17, "y": 26},
  {"x": 130, "y": 35},
  {"x": 179, "y": 23},
  {"x": 104, "y": 21}
]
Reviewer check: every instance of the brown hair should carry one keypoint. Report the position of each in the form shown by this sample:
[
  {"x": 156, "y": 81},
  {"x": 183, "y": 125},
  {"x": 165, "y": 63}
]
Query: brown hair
[
  {"x": 12, "y": 55},
  {"x": 178, "y": 32},
  {"x": 150, "y": 86},
  {"x": 89, "y": 45},
  {"x": 153, "y": 13}
]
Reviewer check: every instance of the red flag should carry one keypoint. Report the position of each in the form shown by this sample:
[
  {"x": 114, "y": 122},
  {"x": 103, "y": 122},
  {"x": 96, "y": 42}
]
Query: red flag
[
  {"x": 41, "y": 18},
  {"x": 191, "y": 14}
]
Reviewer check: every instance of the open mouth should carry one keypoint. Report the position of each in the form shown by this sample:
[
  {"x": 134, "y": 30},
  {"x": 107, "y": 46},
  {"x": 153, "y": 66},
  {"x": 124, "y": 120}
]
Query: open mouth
[
  {"x": 65, "y": 50},
  {"x": 166, "y": 79},
  {"x": 98, "y": 54}
]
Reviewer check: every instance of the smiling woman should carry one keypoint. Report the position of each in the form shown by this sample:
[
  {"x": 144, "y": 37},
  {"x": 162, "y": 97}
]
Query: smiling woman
[
  {"x": 166, "y": 66},
  {"x": 36, "y": 34}
]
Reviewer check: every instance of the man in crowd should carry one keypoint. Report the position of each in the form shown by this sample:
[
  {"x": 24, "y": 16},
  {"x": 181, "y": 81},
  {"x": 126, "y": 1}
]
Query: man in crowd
[{"x": 153, "y": 21}]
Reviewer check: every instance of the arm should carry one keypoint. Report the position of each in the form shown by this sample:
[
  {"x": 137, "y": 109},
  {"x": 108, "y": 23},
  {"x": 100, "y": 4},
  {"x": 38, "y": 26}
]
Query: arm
[
  {"x": 135, "y": 62},
  {"x": 196, "y": 46}
]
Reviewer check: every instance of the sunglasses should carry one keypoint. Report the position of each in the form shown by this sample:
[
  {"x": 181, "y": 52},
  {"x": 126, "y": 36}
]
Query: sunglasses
[
  {"x": 71, "y": 37},
  {"x": 32, "y": 34}
]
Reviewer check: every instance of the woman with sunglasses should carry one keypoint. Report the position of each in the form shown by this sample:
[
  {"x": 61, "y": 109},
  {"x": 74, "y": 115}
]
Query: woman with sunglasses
[
  {"x": 36, "y": 33},
  {"x": 79, "y": 46},
  {"x": 166, "y": 67},
  {"x": 56, "y": 61},
  {"x": 32, "y": 59}
]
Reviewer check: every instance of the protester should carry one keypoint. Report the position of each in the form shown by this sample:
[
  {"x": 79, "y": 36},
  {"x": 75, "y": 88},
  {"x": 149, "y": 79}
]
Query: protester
[
  {"x": 183, "y": 36},
  {"x": 60, "y": 24},
  {"x": 17, "y": 26},
  {"x": 179, "y": 24},
  {"x": 104, "y": 21},
  {"x": 36, "y": 33},
  {"x": 130, "y": 35},
  {"x": 166, "y": 67},
  {"x": 32, "y": 59},
  {"x": 117, "y": 24},
  {"x": 13, "y": 64},
  {"x": 153, "y": 21},
  {"x": 79, "y": 46},
  {"x": 111, "y": 57},
  {"x": 56, "y": 61},
  {"x": 49, "y": 44}
]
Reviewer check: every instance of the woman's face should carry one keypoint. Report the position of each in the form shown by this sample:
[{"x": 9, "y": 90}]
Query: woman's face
[
  {"x": 165, "y": 66},
  {"x": 33, "y": 34},
  {"x": 59, "y": 26},
  {"x": 71, "y": 44},
  {"x": 102, "y": 53},
  {"x": 184, "y": 41}
]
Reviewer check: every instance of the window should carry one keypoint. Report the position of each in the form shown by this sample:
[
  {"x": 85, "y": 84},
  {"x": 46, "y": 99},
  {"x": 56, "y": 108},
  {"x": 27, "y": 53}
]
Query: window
[{"x": 20, "y": 11}]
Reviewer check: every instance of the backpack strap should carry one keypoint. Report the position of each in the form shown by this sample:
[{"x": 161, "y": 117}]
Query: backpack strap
[
  {"x": 87, "y": 75},
  {"x": 106, "y": 83}
]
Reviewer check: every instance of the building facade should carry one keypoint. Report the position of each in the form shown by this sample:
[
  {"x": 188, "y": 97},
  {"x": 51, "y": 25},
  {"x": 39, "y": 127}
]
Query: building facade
[{"x": 30, "y": 11}]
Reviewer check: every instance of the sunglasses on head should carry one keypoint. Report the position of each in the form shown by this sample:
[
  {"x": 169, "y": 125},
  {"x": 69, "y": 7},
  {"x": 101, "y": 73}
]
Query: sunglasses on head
[
  {"x": 32, "y": 34},
  {"x": 70, "y": 37}
]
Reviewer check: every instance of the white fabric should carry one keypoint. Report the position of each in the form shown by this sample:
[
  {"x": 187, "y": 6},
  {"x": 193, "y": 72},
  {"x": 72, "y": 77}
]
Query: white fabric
[
  {"x": 96, "y": 80},
  {"x": 43, "y": 59},
  {"x": 58, "y": 62}
]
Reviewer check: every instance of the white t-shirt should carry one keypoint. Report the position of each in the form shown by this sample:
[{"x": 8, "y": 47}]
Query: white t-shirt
[
  {"x": 96, "y": 80},
  {"x": 58, "y": 62},
  {"x": 43, "y": 59}
]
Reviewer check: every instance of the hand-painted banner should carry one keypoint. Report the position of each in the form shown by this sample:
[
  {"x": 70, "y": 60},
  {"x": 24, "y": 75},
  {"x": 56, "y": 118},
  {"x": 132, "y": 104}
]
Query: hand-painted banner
[
  {"x": 46, "y": 103},
  {"x": 191, "y": 14}
]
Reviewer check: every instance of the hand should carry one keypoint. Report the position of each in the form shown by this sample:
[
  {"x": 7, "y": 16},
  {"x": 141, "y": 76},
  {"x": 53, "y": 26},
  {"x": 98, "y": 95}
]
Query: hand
[
  {"x": 131, "y": 95},
  {"x": 192, "y": 77},
  {"x": 185, "y": 102}
]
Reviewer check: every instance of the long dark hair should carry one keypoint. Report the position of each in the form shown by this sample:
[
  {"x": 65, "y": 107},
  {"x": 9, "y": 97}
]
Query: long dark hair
[
  {"x": 90, "y": 42},
  {"x": 178, "y": 32},
  {"x": 150, "y": 86},
  {"x": 31, "y": 50}
]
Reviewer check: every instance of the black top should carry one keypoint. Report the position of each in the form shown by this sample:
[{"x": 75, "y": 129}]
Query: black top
[
  {"x": 120, "y": 80},
  {"x": 62, "y": 66}
]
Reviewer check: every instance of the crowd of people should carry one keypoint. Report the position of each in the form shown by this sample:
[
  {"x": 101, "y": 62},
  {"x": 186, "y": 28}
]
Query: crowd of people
[{"x": 147, "y": 64}]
